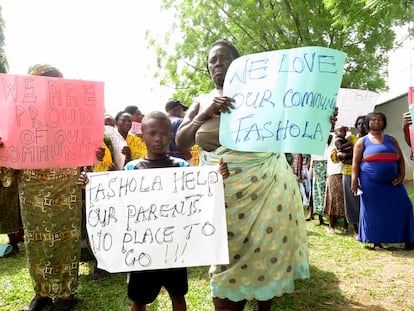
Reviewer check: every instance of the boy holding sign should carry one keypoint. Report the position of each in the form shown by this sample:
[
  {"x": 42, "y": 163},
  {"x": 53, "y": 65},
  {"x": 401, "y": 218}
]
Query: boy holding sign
[{"x": 144, "y": 286}]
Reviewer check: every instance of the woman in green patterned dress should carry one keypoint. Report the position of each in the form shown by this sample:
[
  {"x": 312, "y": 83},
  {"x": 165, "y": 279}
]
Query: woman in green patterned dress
[
  {"x": 265, "y": 223},
  {"x": 318, "y": 172},
  {"x": 51, "y": 212}
]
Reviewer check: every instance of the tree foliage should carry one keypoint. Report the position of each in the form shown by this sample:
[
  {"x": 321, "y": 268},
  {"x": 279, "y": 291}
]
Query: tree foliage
[
  {"x": 363, "y": 29},
  {"x": 3, "y": 59}
]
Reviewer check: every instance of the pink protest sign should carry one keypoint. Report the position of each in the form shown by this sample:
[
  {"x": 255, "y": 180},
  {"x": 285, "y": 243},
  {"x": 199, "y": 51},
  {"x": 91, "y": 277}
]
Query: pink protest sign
[
  {"x": 50, "y": 122},
  {"x": 135, "y": 128},
  {"x": 411, "y": 108}
]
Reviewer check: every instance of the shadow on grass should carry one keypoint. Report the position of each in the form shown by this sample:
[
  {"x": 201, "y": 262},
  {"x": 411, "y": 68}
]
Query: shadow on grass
[{"x": 320, "y": 292}]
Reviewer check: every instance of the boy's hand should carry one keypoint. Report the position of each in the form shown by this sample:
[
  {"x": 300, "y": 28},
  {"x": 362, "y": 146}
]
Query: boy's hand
[
  {"x": 224, "y": 170},
  {"x": 126, "y": 151},
  {"x": 83, "y": 178}
]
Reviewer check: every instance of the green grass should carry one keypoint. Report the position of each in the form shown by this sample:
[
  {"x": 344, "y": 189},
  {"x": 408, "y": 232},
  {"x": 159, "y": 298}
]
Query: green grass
[{"x": 344, "y": 276}]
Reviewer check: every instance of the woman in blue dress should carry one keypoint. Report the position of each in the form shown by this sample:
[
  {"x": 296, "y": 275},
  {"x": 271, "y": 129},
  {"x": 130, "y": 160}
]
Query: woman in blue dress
[{"x": 378, "y": 170}]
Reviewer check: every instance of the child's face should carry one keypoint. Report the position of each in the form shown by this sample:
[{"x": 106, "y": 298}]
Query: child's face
[
  {"x": 341, "y": 132},
  {"x": 156, "y": 135},
  {"x": 109, "y": 121}
]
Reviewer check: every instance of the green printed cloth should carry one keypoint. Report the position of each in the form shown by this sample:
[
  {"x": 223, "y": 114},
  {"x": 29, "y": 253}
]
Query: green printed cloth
[{"x": 266, "y": 233}]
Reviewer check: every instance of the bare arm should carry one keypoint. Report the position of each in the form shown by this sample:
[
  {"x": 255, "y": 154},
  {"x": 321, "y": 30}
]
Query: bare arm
[
  {"x": 401, "y": 163},
  {"x": 356, "y": 162},
  {"x": 195, "y": 117},
  {"x": 185, "y": 137},
  {"x": 406, "y": 122}
]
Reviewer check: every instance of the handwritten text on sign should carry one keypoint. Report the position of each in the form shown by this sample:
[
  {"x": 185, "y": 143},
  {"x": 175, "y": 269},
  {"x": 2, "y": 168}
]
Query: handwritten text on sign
[
  {"x": 283, "y": 100},
  {"x": 157, "y": 218},
  {"x": 50, "y": 122}
]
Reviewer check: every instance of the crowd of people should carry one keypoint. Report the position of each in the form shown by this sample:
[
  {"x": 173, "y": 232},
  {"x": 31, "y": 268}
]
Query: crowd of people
[{"x": 359, "y": 179}]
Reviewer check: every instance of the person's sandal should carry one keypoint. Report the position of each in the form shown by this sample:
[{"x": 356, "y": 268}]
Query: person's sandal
[{"x": 331, "y": 231}]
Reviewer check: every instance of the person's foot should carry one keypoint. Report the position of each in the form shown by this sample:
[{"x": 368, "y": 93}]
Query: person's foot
[
  {"x": 16, "y": 247},
  {"x": 409, "y": 246},
  {"x": 320, "y": 221},
  {"x": 38, "y": 303},
  {"x": 331, "y": 230},
  {"x": 378, "y": 247},
  {"x": 99, "y": 274},
  {"x": 309, "y": 217}
]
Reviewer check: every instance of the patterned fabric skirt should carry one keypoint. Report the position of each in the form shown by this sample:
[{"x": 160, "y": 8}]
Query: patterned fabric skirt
[
  {"x": 50, "y": 204},
  {"x": 10, "y": 220},
  {"x": 334, "y": 196},
  {"x": 265, "y": 225},
  {"x": 318, "y": 185},
  {"x": 351, "y": 201}
]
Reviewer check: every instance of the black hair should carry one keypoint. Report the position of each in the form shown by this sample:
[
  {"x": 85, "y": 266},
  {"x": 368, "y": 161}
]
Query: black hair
[
  {"x": 155, "y": 115},
  {"x": 372, "y": 115},
  {"x": 131, "y": 109},
  {"x": 45, "y": 70},
  {"x": 52, "y": 73},
  {"x": 119, "y": 114},
  {"x": 359, "y": 118}
]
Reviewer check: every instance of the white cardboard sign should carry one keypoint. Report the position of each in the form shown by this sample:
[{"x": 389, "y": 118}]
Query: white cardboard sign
[{"x": 157, "y": 218}]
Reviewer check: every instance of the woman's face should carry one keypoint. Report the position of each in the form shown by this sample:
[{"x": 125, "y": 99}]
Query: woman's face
[
  {"x": 137, "y": 116},
  {"x": 376, "y": 123},
  {"x": 124, "y": 123},
  {"x": 218, "y": 61},
  {"x": 361, "y": 125}
]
